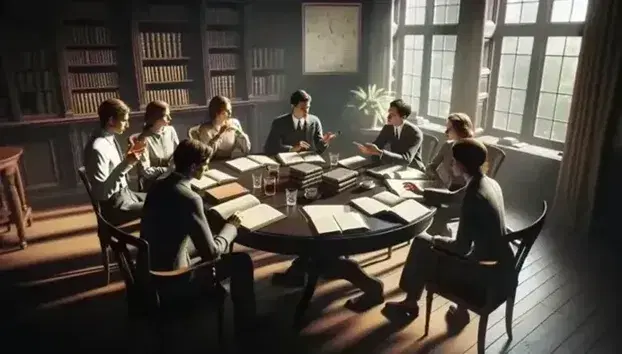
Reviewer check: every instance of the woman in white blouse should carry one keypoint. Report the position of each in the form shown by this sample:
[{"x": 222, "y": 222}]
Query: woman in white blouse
[
  {"x": 223, "y": 133},
  {"x": 160, "y": 139}
]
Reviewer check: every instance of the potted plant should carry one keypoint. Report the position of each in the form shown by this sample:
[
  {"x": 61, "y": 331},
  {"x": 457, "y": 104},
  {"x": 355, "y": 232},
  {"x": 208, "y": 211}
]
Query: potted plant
[{"x": 372, "y": 104}]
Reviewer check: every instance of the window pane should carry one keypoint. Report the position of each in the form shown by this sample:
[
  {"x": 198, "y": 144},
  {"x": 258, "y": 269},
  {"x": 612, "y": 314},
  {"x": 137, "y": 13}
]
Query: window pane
[
  {"x": 415, "y": 12},
  {"x": 560, "y": 66},
  {"x": 413, "y": 59},
  {"x": 569, "y": 10},
  {"x": 441, "y": 75},
  {"x": 446, "y": 12},
  {"x": 521, "y": 11},
  {"x": 512, "y": 83}
]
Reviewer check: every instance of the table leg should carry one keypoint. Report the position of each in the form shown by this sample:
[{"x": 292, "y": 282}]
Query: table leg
[
  {"x": 303, "y": 304},
  {"x": 22, "y": 195},
  {"x": 17, "y": 211}
]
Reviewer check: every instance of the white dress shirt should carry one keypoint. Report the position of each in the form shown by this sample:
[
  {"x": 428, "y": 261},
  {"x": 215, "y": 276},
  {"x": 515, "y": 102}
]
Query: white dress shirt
[
  {"x": 159, "y": 152},
  {"x": 105, "y": 167},
  {"x": 303, "y": 122},
  {"x": 398, "y": 130},
  {"x": 228, "y": 141}
]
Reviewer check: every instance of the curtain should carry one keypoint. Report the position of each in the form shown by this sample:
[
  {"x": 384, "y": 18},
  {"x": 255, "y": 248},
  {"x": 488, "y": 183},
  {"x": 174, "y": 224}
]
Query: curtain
[{"x": 593, "y": 121}]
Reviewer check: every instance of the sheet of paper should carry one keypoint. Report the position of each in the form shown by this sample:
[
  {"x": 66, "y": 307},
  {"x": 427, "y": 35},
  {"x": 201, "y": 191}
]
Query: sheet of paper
[
  {"x": 259, "y": 216},
  {"x": 410, "y": 210},
  {"x": 369, "y": 206},
  {"x": 351, "y": 221}
]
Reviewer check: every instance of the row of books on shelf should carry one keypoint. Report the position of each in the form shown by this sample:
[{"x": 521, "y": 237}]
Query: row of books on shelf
[
  {"x": 29, "y": 81},
  {"x": 222, "y": 16},
  {"x": 161, "y": 45},
  {"x": 98, "y": 56},
  {"x": 169, "y": 73},
  {"x": 33, "y": 60},
  {"x": 222, "y": 39},
  {"x": 225, "y": 61},
  {"x": 89, "y": 35},
  {"x": 174, "y": 97},
  {"x": 270, "y": 85},
  {"x": 93, "y": 80},
  {"x": 39, "y": 102},
  {"x": 224, "y": 85},
  {"x": 88, "y": 102},
  {"x": 268, "y": 58}
]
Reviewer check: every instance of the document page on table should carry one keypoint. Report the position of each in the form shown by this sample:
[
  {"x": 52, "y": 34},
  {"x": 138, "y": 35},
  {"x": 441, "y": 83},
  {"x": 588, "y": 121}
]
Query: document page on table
[{"x": 226, "y": 209}]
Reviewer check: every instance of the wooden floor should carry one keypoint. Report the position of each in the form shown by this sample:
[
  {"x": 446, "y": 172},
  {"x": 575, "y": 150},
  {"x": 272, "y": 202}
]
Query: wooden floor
[{"x": 54, "y": 301}]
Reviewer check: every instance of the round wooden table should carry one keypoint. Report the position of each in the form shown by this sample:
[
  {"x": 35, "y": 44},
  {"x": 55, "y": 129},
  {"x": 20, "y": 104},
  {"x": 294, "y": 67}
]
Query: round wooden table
[
  {"x": 294, "y": 234},
  {"x": 13, "y": 195}
]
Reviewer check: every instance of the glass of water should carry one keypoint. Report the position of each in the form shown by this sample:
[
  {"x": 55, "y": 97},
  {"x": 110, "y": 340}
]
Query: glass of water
[
  {"x": 273, "y": 171},
  {"x": 291, "y": 195},
  {"x": 257, "y": 178},
  {"x": 333, "y": 157},
  {"x": 269, "y": 185}
]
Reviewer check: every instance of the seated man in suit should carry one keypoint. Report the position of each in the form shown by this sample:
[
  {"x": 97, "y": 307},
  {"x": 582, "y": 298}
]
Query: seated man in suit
[
  {"x": 403, "y": 137},
  {"x": 297, "y": 131},
  {"x": 480, "y": 234},
  {"x": 175, "y": 225},
  {"x": 106, "y": 165}
]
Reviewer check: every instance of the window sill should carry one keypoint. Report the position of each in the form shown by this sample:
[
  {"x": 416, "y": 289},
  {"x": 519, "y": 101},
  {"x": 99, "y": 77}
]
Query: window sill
[{"x": 530, "y": 149}]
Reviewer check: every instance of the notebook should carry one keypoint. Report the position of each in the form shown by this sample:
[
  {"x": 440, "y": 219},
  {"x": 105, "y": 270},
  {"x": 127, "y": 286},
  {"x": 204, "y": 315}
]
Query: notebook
[
  {"x": 224, "y": 193},
  {"x": 290, "y": 158},
  {"x": 253, "y": 214},
  {"x": 406, "y": 210},
  {"x": 397, "y": 172},
  {"x": 334, "y": 219}
]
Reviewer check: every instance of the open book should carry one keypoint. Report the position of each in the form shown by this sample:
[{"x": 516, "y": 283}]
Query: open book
[
  {"x": 397, "y": 172},
  {"x": 290, "y": 158},
  {"x": 407, "y": 210},
  {"x": 253, "y": 214},
  {"x": 397, "y": 186},
  {"x": 334, "y": 219},
  {"x": 263, "y": 160},
  {"x": 354, "y": 162},
  {"x": 211, "y": 178},
  {"x": 243, "y": 164}
]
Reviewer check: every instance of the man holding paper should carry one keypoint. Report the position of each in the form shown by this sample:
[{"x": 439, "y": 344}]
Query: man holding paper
[
  {"x": 297, "y": 131},
  {"x": 404, "y": 139},
  {"x": 107, "y": 166},
  {"x": 175, "y": 225},
  {"x": 480, "y": 234}
]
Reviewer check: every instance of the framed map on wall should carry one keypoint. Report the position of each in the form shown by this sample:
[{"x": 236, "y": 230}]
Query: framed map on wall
[{"x": 331, "y": 38}]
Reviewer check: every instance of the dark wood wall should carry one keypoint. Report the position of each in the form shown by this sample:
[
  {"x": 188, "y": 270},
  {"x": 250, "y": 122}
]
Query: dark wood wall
[{"x": 53, "y": 142}]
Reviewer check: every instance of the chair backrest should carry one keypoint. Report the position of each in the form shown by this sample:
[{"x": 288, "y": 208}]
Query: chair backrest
[
  {"x": 89, "y": 190},
  {"x": 428, "y": 147},
  {"x": 496, "y": 157},
  {"x": 527, "y": 237},
  {"x": 193, "y": 132}
]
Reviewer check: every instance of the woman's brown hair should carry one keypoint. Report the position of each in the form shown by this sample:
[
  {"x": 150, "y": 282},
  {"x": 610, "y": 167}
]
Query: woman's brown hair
[
  {"x": 216, "y": 105},
  {"x": 153, "y": 112},
  {"x": 462, "y": 125}
]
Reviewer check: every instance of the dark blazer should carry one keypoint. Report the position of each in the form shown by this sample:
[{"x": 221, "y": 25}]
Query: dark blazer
[
  {"x": 405, "y": 150},
  {"x": 283, "y": 136},
  {"x": 174, "y": 224},
  {"x": 481, "y": 232}
]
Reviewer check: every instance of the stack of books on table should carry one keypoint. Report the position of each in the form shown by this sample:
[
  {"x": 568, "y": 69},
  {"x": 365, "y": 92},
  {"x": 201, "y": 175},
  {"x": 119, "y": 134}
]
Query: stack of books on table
[
  {"x": 305, "y": 175},
  {"x": 338, "y": 180}
]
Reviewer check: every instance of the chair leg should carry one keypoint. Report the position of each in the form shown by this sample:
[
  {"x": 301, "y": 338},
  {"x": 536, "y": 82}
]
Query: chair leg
[
  {"x": 428, "y": 310},
  {"x": 389, "y": 252},
  {"x": 481, "y": 334},
  {"x": 509, "y": 313},
  {"x": 106, "y": 262}
]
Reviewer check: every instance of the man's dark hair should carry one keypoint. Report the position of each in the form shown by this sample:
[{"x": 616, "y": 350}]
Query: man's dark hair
[
  {"x": 472, "y": 154},
  {"x": 403, "y": 109},
  {"x": 299, "y": 96},
  {"x": 189, "y": 152},
  {"x": 111, "y": 108}
]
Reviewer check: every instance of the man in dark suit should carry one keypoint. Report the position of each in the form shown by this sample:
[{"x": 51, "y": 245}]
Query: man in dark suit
[
  {"x": 107, "y": 166},
  {"x": 175, "y": 225},
  {"x": 480, "y": 233},
  {"x": 404, "y": 139},
  {"x": 297, "y": 131}
]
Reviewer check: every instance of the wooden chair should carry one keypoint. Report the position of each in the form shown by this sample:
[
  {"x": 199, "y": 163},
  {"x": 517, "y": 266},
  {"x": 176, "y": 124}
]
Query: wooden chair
[
  {"x": 428, "y": 147},
  {"x": 104, "y": 238},
  {"x": 193, "y": 132},
  {"x": 485, "y": 285},
  {"x": 496, "y": 156},
  {"x": 152, "y": 294}
]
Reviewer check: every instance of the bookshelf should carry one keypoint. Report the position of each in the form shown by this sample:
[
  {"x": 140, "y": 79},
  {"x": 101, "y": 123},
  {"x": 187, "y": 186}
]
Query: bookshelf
[
  {"x": 268, "y": 73},
  {"x": 167, "y": 56},
  {"x": 91, "y": 56},
  {"x": 5, "y": 100},
  {"x": 222, "y": 25},
  {"x": 35, "y": 82}
]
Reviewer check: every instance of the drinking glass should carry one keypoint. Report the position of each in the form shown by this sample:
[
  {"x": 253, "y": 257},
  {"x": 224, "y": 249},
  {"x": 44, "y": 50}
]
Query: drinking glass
[
  {"x": 333, "y": 157},
  {"x": 310, "y": 193},
  {"x": 273, "y": 171},
  {"x": 291, "y": 195},
  {"x": 257, "y": 180},
  {"x": 269, "y": 185}
]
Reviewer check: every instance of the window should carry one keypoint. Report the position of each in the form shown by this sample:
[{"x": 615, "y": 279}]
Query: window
[
  {"x": 426, "y": 36},
  {"x": 537, "y": 49}
]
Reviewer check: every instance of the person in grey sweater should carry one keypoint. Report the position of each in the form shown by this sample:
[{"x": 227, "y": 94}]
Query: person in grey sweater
[{"x": 175, "y": 225}]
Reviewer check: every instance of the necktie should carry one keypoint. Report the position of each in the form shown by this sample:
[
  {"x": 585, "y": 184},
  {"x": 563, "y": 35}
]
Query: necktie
[
  {"x": 299, "y": 128},
  {"x": 397, "y": 135}
]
